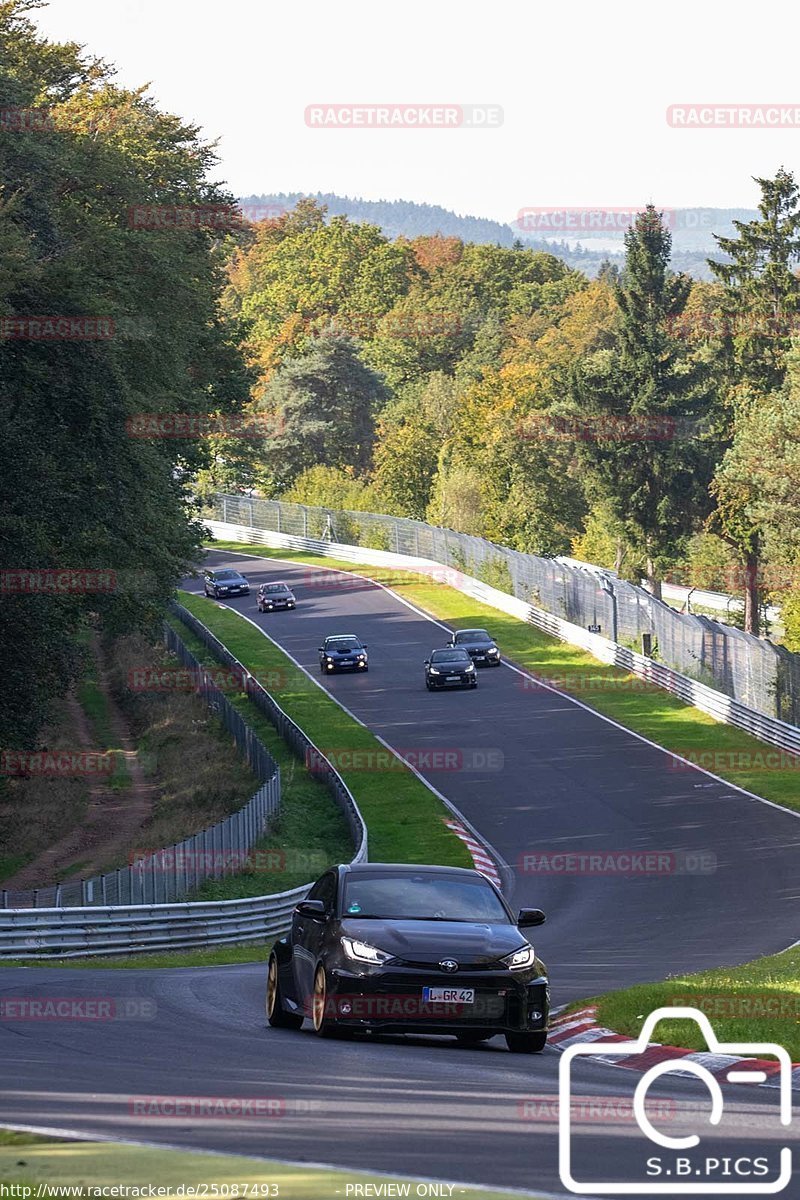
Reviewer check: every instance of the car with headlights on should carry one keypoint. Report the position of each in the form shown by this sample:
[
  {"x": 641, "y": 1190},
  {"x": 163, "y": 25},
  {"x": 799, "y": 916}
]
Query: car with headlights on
[
  {"x": 450, "y": 667},
  {"x": 224, "y": 581},
  {"x": 389, "y": 948},
  {"x": 272, "y": 596},
  {"x": 343, "y": 652},
  {"x": 481, "y": 648}
]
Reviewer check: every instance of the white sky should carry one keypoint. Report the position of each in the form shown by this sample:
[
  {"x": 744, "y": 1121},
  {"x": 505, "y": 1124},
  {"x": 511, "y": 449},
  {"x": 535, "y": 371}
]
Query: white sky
[{"x": 584, "y": 86}]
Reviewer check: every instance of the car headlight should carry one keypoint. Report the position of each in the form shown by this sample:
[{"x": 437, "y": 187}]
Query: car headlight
[
  {"x": 329, "y": 661},
  {"x": 434, "y": 671},
  {"x": 362, "y": 657},
  {"x": 524, "y": 957},
  {"x": 362, "y": 952},
  {"x": 471, "y": 667},
  {"x": 494, "y": 651}
]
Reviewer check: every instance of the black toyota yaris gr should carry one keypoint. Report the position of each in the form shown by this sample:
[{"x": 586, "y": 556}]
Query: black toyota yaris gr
[{"x": 410, "y": 949}]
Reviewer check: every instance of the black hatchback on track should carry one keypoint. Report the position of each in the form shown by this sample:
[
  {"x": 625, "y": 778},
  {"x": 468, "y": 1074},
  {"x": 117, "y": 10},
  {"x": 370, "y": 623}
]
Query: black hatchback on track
[
  {"x": 450, "y": 667},
  {"x": 410, "y": 949}
]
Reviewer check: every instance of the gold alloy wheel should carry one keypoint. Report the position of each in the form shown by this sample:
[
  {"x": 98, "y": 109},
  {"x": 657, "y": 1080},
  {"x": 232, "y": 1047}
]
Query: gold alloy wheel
[
  {"x": 319, "y": 999},
  {"x": 272, "y": 986}
]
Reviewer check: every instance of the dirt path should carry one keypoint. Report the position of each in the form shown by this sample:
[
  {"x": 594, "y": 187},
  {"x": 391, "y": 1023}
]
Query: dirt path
[{"x": 113, "y": 815}]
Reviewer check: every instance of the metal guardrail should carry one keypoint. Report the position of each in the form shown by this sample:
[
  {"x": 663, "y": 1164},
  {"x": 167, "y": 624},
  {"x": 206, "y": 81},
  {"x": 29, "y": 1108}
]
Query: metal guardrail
[
  {"x": 70, "y": 932},
  {"x": 722, "y": 707},
  {"x": 751, "y": 670},
  {"x": 77, "y": 932}
]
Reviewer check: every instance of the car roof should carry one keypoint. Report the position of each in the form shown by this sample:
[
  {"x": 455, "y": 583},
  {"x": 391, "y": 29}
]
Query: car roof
[
  {"x": 333, "y": 636},
  {"x": 405, "y": 869}
]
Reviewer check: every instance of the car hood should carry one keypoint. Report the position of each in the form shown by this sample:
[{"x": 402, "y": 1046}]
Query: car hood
[
  {"x": 431, "y": 941},
  {"x": 477, "y": 646}
]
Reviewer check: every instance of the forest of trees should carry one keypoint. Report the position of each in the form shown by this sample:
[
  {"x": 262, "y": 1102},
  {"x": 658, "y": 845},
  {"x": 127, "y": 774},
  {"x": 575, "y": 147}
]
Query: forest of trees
[{"x": 642, "y": 419}]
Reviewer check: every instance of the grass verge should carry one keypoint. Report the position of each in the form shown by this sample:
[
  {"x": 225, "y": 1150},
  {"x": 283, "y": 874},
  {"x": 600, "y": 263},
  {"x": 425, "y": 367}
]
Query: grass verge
[
  {"x": 310, "y": 831},
  {"x": 28, "y": 1161},
  {"x": 212, "y": 956},
  {"x": 650, "y": 711},
  {"x": 405, "y": 820},
  {"x": 757, "y": 1002}
]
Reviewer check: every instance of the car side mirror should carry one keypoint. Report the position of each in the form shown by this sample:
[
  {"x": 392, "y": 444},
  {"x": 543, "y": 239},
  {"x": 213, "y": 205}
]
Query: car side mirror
[
  {"x": 321, "y": 649},
  {"x": 528, "y": 917},
  {"x": 311, "y": 908},
  {"x": 427, "y": 662},
  {"x": 451, "y": 643},
  {"x": 363, "y": 645}
]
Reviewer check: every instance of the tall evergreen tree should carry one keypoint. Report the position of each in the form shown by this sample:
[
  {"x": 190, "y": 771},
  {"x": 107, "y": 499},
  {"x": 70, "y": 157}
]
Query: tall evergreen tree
[
  {"x": 636, "y": 408},
  {"x": 761, "y": 306}
]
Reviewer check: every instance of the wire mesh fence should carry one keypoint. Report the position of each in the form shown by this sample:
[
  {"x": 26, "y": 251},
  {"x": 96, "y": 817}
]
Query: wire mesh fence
[
  {"x": 752, "y": 670},
  {"x": 165, "y": 875},
  {"x": 291, "y": 733}
]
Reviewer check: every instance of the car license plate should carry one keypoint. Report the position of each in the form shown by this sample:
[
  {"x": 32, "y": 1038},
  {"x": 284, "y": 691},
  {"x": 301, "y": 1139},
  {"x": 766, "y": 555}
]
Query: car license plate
[
  {"x": 480, "y": 658},
  {"x": 448, "y": 995},
  {"x": 453, "y": 678},
  {"x": 346, "y": 662}
]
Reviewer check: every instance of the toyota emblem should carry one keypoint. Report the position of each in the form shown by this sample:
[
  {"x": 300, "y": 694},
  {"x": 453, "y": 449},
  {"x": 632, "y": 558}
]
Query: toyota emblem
[{"x": 449, "y": 964}]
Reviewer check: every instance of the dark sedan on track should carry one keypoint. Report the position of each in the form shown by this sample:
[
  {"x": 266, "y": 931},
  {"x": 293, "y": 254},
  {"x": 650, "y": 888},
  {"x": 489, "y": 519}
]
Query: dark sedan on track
[
  {"x": 410, "y": 949},
  {"x": 343, "y": 652},
  {"x": 225, "y": 582},
  {"x": 272, "y": 596},
  {"x": 450, "y": 667},
  {"x": 481, "y": 648}
]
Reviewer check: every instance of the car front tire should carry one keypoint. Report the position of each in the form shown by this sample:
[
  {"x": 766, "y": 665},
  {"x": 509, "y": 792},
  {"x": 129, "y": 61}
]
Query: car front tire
[
  {"x": 526, "y": 1043},
  {"x": 323, "y": 1025},
  {"x": 277, "y": 1015}
]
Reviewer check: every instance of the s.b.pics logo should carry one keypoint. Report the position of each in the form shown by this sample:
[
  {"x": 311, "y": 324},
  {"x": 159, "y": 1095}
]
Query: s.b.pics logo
[{"x": 703, "y": 1153}]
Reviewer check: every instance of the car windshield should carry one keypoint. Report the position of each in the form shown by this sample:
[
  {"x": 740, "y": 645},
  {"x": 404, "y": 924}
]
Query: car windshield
[
  {"x": 449, "y": 656},
  {"x": 421, "y": 897},
  {"x": 225, "y": 575},
  {"x": 472, "y": 635},
  {"x": 342, "y": 645},
  {"x": 275, "y": 587}
]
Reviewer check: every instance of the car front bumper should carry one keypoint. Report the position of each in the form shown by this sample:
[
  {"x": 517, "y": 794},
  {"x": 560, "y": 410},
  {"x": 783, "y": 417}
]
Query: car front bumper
[{"x": 392, "y": 1000}]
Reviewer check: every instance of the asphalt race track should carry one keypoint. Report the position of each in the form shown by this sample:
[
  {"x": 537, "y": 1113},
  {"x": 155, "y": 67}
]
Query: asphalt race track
[{"x": 536, "y": 774}]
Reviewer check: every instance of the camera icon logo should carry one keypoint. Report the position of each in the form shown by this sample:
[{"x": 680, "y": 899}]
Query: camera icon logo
[{"x": 691, "y": 1179}]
